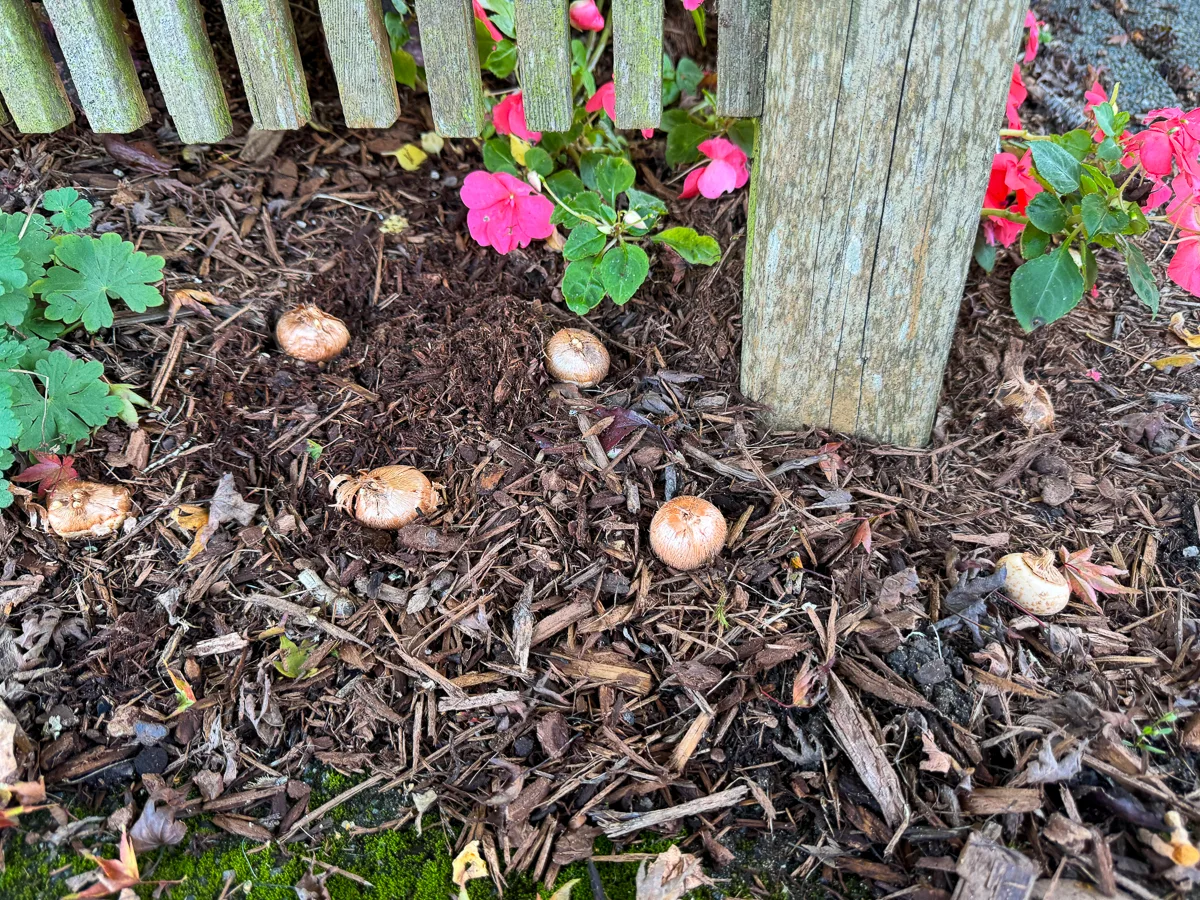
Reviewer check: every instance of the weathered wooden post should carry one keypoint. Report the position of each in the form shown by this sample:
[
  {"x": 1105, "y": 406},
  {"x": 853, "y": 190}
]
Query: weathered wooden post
[
  {"x": 264, "y": 41},
  {"x": 28, "y": 79},
  {"x": 362, "y": 61},
  {"x": 878, "y": 127}
]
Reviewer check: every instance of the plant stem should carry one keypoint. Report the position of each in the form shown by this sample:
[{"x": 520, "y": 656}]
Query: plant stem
[
  {"x": 1022, "y": 135},
  {"x": 1004, "y": 214},
  {"x": 599, "y": 51}
]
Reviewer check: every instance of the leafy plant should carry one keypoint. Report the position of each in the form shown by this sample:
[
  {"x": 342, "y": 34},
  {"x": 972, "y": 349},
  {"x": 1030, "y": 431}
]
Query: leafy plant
[
  {"x": 54, "y": 279},
  {"x": 1159, "y": 728}
]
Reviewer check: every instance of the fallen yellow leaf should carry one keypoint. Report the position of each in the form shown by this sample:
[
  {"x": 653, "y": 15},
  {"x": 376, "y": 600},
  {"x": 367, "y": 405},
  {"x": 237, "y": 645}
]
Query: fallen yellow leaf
[
  {"x": 394, "y": 225},
  {"x": 410, "y": 157},
  {"x": 519, "y": 148},
  {"x": 191, "y": 518},
  {"x": 1178, "y": 360},
  {"x": 432, "y": 142},
  {"x": 467, "y": 866},
  {"x": 1177, "y": 329}
]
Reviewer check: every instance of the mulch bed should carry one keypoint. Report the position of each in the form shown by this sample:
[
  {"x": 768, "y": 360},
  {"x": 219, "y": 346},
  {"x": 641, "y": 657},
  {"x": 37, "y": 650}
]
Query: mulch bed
[{"x": 837, "y": 677}]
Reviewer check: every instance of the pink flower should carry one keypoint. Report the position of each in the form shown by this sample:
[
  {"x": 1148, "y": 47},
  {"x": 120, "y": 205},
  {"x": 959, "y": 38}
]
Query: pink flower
[
  {"x": 509, "y": 118},
  {"x": 1093, "y": 374},
  {"x": 482, "y": 16},
  {"x": 1009, "y": 176},
  {"x": 505, "y": 212},
  {"x": 1016, "y": 96},
  {"x": 1184, "y": 270},
  {"x": 726, "y": 172},
  {"x": 586, "y": 16},
  {"x": 1035, "y": 34},
  {"x": 692, "y": 4},
  {"x": 1095, "y": 96},
  {"x": 605, "y": 99}
]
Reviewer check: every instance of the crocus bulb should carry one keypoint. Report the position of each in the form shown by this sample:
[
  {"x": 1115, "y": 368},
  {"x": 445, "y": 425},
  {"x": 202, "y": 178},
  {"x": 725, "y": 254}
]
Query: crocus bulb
[
  {"x": 387, "y": 497},
  {"x": 576, "y": 356},
  {"x": 311, "y": 334},
  {"x": 687, "y": 533},
  {"x": 1035, "y": 583},
  {"x": 79, "y": 509},
  {"x": 1027, "y": 400}
]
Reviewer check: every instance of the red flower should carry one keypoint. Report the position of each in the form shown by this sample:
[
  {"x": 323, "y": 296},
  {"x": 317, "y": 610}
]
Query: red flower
[
  {"x": 482, "y": 16},
  {"x": 1016, "y": 96},
  {"x": 1184, "y": 269},
  {"x": 509, "y": 118},
  {"x": 1035, "y": 34},
  {"x": 726, "y": 172},
  {"x": 692, "y": 4},
  {"x": 505, "y": 212},
  {"x": 1095, "y": 96},
  {"x": 1009, "y": 176},
  {"x": 585, "y": 15},
  {"x": 605, "y": 99}
]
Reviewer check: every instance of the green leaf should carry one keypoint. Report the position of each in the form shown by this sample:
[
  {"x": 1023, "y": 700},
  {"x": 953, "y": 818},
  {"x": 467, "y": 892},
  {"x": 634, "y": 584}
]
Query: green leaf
[
  {"x": 741, "y": 133},
  {"x": 584, "y": 241},
  {"x": 673, "y": 118},
  {"x": 10, "y": 425},
  {"x": 539, "y": 160},
  {"x": 91, "y": 271},
  {"x": 1105, "y": 114},
  {"x": 497, "y": 157},
  {"x": 682, "y": 142},
  {"x": 503, "y": 59},
  {"x": 614, "y": 176},
  {"x": 502, "y": 15},
  {"x": 1056, "y": 166},
  {"x": 1091, "y": 271},
  {"x": 1045, "y": 289},
  {"x": 1047, "y": 213},
  {"x": 698, "y": 249},
  {"x": 583, "y": 203},
  {"x": 71, "y": 212},
  {"x": 646, "y": 207},
  {"x": 398, "y": 33},
  {"x": 1140, "y": 275},
  {"x": 14, "y": 306},
  {"x": 565, "y": 184},
  {"x": 581, "y": 287},
  {"x": 587, "y": 168},
  {"x": 622, "y": 271},
  {"x": 984, "y": 253},
  {"x": 61, "y": 403},
  {"x": 1109, "y": 150},
  {"x": 36, "y": 248},
  {"x": 688, "y": 75},
  {"x": 483, "y": 41},
  {"x": 293, "y": 662},
  {"x": 1099, "y": 219},
  {"x": 1034, "y": 242},
  {"x": 1078, "y": 142},
  {"x": 404, "y": 68}
]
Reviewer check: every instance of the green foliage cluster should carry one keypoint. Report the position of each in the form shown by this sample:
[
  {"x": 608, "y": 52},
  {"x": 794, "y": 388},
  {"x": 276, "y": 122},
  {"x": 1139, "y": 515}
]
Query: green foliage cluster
[{"x": 53, "y": 280}]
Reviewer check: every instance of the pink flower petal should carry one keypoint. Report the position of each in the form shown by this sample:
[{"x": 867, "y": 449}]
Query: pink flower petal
[
  {"x": 717, "y": 178},
  {"x": 691, "y": 184},
  {"x": 533, "y": 217},
  {"x": 1155, "y": 152},
  {"x": 585, "y": 16},
  {"x": 482, "y": 16},
  {"x": 1184, "y": 269},
  {"x": 482, "y": 189}
]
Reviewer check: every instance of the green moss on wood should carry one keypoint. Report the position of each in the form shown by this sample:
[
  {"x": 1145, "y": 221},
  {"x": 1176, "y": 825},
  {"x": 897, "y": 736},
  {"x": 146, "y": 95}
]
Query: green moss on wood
[
  {"x": 29, "y": 81},
  {"x": 637, "y": 62}
]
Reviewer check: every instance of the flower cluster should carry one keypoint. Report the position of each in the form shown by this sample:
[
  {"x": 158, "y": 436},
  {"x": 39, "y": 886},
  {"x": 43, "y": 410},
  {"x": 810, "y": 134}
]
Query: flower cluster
[
  {"x": 726, "y": 172},
  {"x": 504, "y": 211},
  {"x": 1011, "y": 178}
]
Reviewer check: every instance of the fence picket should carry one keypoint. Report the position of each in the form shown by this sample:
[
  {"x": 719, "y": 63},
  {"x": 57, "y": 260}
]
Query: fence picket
[
  {"x": 186, "y": 69},
  {"x": 544, "y": 60},
  {"x": 92, "y": 36},
  {"x": 452, "y": 66},
  {"x": 29, "y": 80},
  {"x": 742, "y": 27},
  {"x": 637, "y": 62},
  {"x": 264, "y": 41},
  {"x": 362, "y": 61}
]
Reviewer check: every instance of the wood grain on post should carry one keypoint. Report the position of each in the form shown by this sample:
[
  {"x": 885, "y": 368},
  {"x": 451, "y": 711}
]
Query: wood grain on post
[
  {"x": 544, "y": 63},
  {"x": 186, "y": 69},
  {"x": 264, "y": 41},
  {"x": 92, "y": 36},
  {"x": 863, "y": 212},
  {"x": 741, "y": 56},
  {"x": 452, "y": 66},
  {"x": 637, "y": 62},
  {"x": 362, "y": 61},
  {"x": 29, "y": 80}
]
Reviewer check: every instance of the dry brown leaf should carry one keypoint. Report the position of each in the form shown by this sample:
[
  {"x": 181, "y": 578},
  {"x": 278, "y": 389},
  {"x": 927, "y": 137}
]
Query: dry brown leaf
[
  {"x": 671, "y": 875},
  {"x": 115, "y": 874},
  {"x": 467, "y": 866},
  {"x": 227, "y": 506},
  {"x": 936, "y": 760},
  {"x": 312, "y": 887},
  {"x": 1177, "y": 328},
  {"x": 156, "y": 827}
]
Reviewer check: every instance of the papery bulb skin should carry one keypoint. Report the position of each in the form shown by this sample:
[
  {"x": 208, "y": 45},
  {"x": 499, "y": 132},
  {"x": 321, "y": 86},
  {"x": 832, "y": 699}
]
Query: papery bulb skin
[
  {"x": 577, "y": 357},
  {"x": 687, "y": 533},
  {"x": 1035, "y": 583},
  {"x": 389, "y": 497},
  {"x": 311, "y": 334},
  {"x": 87, "y": 509}
]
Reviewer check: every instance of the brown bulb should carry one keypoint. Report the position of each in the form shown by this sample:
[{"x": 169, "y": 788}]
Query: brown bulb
[
  {"x": 79, "y": 509},
  {"x": 1035, "y": 583},
  {"x": 387, "y": 497},
  {"x": 311, "y": 334},
  {"x": 687, "y": 533},
  {"x": 577, "y": 357}
]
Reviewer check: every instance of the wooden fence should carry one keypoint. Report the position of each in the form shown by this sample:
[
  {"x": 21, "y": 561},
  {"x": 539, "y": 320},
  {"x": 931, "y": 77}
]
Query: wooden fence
[{"x": 877, "y": 122}]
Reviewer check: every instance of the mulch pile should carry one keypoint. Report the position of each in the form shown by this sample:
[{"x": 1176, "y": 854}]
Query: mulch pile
[{"x": 846, "y": 675}]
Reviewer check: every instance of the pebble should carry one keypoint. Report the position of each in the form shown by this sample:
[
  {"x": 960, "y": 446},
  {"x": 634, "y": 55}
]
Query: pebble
[
  {"x": 1192, "y": 552},
  {"x": 151, "y": 761}
]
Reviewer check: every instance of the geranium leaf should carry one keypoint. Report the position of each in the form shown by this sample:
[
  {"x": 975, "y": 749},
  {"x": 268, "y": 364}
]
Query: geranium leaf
[
  {"x": 34, "y": 239},
  {"x": 61, "y": 402},
  {"x": 92, "y": 270},
  {"x": 71, "y": 212},
  {"x": 12, "y": 270}
]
